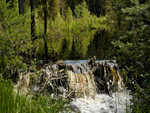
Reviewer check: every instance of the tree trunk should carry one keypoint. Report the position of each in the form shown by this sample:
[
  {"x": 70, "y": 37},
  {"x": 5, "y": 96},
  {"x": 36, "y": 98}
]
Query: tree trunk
[
  {"x": 101, "y": 13},
  {"x": 32, "y": 20},
  {"x": 101, "y": 9},
  {"x": 21, "y": 8},
  {"x": 88, "y": 5},
  {"x": 101, "y": 56},
  {"x": 45, "y": 29},
  {"x": 94, "y": 7}
]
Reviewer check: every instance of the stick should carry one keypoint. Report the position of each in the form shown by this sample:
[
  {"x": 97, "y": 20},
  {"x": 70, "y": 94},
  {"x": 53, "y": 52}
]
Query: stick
[
  {"x": 58, "y": 78},
  {"x": 70, "y": 93}
]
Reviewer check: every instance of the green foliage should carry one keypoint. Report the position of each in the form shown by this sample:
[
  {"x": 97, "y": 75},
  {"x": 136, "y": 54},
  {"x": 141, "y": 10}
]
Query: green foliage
[
  {"x": 84, "y": 20},
  {"x": 69, "y": 34},
  {"x": 14, "y": 38},
  {"x": 133, "y": 51},
  {"x": 81, "y": 10},
  {"x": 124, "y": 49},
  {"x": 62, "y": 29},
  {"x": 137, "y": 36},
  {"x": 11, "y": 102},
  {"x": 142, "y": 96}
]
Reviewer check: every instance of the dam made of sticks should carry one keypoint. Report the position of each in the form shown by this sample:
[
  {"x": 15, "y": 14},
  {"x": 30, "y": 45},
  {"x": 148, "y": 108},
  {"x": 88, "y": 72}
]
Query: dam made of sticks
[{"x": 81, "y": 78}]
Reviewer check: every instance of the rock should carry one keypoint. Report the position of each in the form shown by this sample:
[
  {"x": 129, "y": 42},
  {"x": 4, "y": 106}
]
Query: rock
[{"x": 73, "y": 108}]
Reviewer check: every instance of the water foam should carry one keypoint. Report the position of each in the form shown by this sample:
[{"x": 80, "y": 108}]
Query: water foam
[{"x": 103, "y": 103}]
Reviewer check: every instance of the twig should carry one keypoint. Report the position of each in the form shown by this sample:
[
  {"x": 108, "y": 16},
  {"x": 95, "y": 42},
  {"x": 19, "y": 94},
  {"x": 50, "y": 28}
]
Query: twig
[
  {"x": 58, "y": 78},
  {"x": 44, "y": 84},
  {"x": 70, "y": 93},
  {"x": 48, "y": 79}
]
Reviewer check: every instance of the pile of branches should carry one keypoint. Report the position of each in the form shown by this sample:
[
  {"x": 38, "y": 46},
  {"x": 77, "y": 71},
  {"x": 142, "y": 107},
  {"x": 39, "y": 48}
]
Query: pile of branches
[{"x": 55, "y": 78}]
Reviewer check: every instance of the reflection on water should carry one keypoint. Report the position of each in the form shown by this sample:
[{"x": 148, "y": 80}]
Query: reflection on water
[
  {"x": 83, "y": 45},
  {"x": 100, "y": 46},
  {"x": 72, "y": 46}
]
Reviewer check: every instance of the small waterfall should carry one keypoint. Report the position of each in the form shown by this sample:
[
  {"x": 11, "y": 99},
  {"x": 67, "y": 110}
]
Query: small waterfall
[
  {"x": 94, "y": 86},
  {"x": 89, "y": 77},
  {"x": 82, "y": 85},
  {"x": 98, "y": 86}
]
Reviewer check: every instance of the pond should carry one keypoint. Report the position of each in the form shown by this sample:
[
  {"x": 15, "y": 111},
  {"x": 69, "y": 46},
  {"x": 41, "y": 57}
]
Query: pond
[{"x": 77, "y": 45}]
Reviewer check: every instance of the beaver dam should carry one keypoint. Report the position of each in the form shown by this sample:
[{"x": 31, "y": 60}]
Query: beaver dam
[{"x": 91, "y": 86}]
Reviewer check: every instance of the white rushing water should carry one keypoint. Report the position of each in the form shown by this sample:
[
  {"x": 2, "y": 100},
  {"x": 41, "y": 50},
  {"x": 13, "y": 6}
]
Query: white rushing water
[
  {"x": 103, "y": 103},
  {"x": 82, "y": 64}
]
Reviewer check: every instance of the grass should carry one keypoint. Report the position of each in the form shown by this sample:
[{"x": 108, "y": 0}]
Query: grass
[{"x": 11, "y": 102}]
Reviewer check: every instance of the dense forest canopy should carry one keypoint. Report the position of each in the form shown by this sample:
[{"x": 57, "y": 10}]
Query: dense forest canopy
[{"x": 50, "y": 30}]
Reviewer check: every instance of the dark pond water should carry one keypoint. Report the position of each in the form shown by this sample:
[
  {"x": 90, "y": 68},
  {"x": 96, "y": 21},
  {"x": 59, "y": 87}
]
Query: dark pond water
[
  {"x": 99, "y": 45},
  {"x": 78, "y": 46}
]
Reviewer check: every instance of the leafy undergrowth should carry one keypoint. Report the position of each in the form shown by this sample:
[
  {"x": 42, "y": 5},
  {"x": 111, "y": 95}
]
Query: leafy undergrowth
[{"x": 10, "y": 102}]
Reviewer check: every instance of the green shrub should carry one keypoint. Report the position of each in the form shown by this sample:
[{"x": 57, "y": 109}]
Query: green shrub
[{"x": 11, "y": 102}]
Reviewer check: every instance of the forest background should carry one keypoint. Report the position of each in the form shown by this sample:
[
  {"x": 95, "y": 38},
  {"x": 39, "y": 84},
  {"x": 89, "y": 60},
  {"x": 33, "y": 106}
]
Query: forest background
[{"x": 51, "y": 30}]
